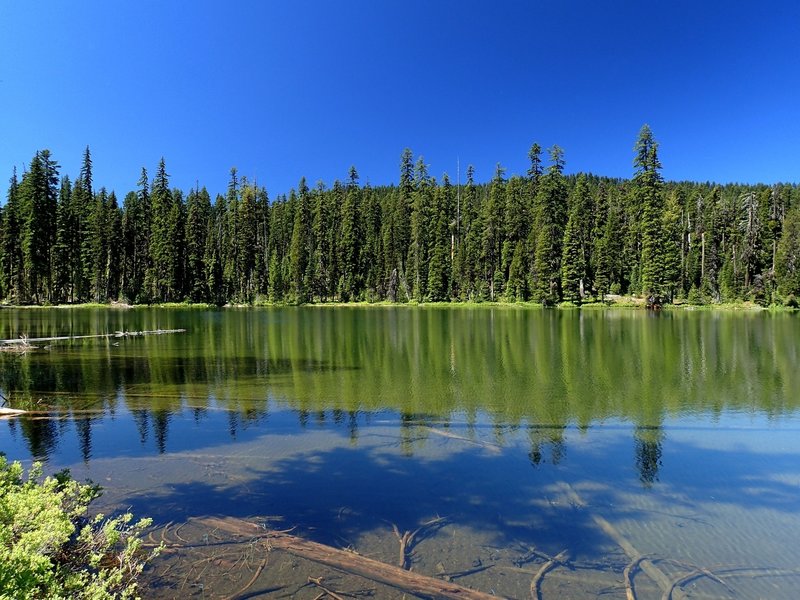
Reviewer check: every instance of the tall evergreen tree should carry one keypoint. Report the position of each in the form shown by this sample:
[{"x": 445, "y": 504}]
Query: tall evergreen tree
[
  {"x": 38, "y": 195},
  {"x": 647, "y": 185},
  {"x": 11, "y": 242},
  {"x": 136, "y": 227},
  {"x": 198, "y": 217},
  {"x": 671, "y": 249},
  {"x": 515, "y": 245},
  {"x": 350, "y": 241},
  {"x": 550, "y": 220},
  {"x": 439, "y": 268},
  {"x": 419, "y": 242},
  {"x": 493, "y": 222},
  {"x": 787, "y": 259},
  {"x": 576, "y": 252},
  {"x": 299, "y": 254},
  {"x": 161, "y": 282}
]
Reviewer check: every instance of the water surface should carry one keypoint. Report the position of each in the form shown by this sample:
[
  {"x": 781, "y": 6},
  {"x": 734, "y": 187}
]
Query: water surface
[{"x": 525, "y": 430}]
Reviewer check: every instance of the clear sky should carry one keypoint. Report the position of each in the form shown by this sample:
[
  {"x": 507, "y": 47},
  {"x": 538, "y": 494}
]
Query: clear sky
[{"x": 292, "y": 88}]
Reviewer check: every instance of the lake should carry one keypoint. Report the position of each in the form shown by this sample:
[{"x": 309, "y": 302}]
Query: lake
[{"x": 550, "y": 453}]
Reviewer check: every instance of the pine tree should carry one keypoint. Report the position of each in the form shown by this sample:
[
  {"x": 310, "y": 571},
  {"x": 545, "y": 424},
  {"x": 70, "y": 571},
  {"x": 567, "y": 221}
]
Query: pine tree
[
  {"x": 11, "y": 243},
  {"x": 246, "y": 221},
  {"x": 576, "y": 246},
  {"x": 198, "y": 216},
  {"x": 439, "y": 268},
  {"x": 262, "y": 240},
  {"x": 550, "y": 220},
  {"x": 517, "y": 231},
  {"x": 213, "y": 257},
  {"x": 38, "y": 202},
  {"x": 62, "y": 250},
  {"x": 136, "y": 228},
  {"x": 373, "y": 244},
  {"x": 299, "y": 247},
  {"x": 350, "y": 241},
  {"x": 493, "y": 221},
  {"x": 114, "y": 248},
  {"x": 97, "y": 243},
  {"x": 473, "y": 225},
  {"x": 161, "y": 281},
  {"x": 671, "y": 249},
  {"x": 419, "y": 243},
  {"x": 787, "y": 259},
  {"x": 599, "y": 263},
  {"x": 647, "y": 185},
  {"x": 82, "y": 244}
]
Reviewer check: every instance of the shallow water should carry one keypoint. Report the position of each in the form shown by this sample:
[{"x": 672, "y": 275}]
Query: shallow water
[{"x": 604, "y": 434}]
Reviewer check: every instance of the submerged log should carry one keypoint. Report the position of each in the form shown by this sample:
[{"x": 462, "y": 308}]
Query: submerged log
[{"x": 421, "y": 586}]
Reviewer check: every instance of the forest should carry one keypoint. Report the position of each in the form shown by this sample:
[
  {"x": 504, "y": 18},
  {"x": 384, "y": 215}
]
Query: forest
[{"x": 544, "y": 236}]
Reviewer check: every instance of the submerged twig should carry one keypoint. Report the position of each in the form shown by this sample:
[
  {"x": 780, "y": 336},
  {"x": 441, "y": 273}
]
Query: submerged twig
[
  {"x": 408, "y": 538},
  {"x": 317, "y": 581},
  {"x": 536, "y": 584}
]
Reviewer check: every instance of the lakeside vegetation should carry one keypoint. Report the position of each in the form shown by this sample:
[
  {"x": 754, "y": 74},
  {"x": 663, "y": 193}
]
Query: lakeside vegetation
[
  {"x": 544, "y": 237},
  {"x": 50, "y": 548}
]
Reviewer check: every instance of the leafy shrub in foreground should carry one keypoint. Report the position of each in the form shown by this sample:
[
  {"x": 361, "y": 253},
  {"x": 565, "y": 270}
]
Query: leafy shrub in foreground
[{"x": 50, "y": 548}]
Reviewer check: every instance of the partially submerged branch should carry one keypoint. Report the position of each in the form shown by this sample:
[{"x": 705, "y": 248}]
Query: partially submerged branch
[{"x": 412, "y": 583}]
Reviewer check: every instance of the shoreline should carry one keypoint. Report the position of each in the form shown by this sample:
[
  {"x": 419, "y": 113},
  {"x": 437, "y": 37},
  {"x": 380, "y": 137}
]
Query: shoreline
[{"x": 615, "y": 303}]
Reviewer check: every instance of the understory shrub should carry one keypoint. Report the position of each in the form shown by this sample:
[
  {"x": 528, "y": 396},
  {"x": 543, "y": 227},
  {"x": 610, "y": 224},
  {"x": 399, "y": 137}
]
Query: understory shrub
[{"x": 51, "y": 548}]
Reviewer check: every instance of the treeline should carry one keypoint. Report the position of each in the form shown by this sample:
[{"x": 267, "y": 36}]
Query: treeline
[{"x": 544, "y": 236}]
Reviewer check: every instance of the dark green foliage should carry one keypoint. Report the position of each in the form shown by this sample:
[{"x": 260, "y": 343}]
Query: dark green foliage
[
  {"x": 351, "y": 239},
  {"x": 162, "y": 275},
  {"x": 299, "y": 254},
  {"x": 550, "y": 216},
  {"x": 577, "y": 246},
  {"x": 198, "y": 225},
  {"x": 787, "y": 259},
  {"x": 671, "y": 245},
  {"x": 647, "y": 192},
  {"x": 11, "y": 237},
  {"x": 546, "y": 236}
]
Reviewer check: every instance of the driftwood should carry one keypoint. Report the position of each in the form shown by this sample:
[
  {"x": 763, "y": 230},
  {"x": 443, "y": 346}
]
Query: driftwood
[
  {"x": 24, "y": 341},
  {"x": 349, "y": 562},
  {"x": 6, "y": 413}
]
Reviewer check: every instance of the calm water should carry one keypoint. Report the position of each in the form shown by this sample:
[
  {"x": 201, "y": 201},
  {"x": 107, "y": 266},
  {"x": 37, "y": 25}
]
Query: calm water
[{"x": 604, "y": 434}]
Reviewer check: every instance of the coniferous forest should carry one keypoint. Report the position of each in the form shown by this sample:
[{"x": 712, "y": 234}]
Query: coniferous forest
[{"x": 545, "y": 237}]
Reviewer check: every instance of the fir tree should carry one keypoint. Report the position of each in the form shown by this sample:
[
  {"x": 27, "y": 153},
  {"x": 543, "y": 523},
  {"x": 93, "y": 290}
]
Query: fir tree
[
  {"x": 550, "y": 220},
  {"x": 11, "y": 242},
  {"x": 787, "y": 259},
  {"x": 647, "y": 185},
  {"x": 577, "y": 244},
  {"x": 298, "y": 251},
  {"x": 198, "y": 216}
]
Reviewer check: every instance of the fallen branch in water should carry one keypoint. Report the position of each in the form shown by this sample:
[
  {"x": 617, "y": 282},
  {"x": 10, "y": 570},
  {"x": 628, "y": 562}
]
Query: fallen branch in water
[
  {"x": 348, "y": 562},
  {"x": 553, "y": 562},
  {"x": 26, "y": 341},
  {"x": 628, "y": 573},
  {"x": 408, "y": 538},
  {"x": 318, "y": 581}
]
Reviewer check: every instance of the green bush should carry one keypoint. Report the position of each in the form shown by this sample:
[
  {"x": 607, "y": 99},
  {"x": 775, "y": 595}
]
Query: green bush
[{"x": 50, "y": 548}]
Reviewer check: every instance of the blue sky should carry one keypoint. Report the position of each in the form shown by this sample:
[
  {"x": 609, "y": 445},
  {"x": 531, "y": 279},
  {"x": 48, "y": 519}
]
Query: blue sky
[{"x": 306, "y": 88}]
